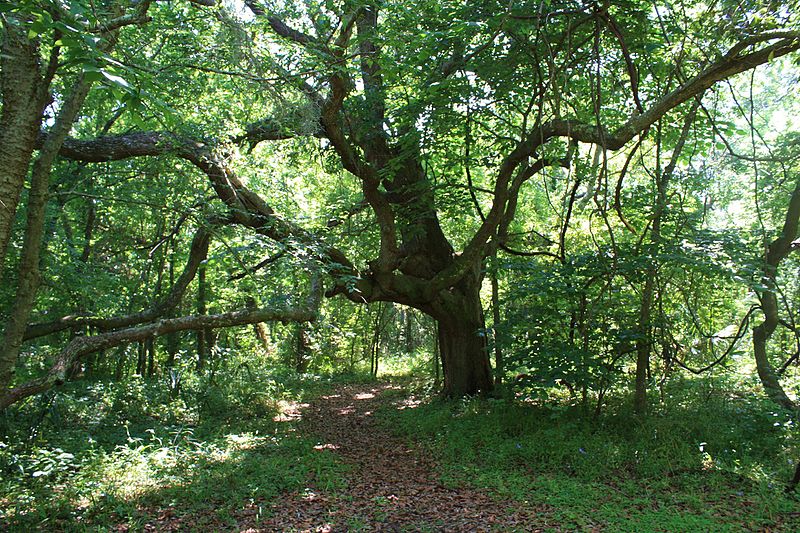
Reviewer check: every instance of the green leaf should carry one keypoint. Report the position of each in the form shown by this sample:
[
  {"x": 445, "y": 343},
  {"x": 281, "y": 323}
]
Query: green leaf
[{"x": 116, "y": 80}]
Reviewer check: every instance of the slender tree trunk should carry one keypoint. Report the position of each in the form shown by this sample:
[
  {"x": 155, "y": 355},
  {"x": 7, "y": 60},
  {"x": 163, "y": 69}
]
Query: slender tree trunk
[
  {"x": 775, "y": 253},
  {"x": 499, "y": 367},
  {"x": 202, "y": 309},
  {"x": 88, "y": 229},
  {"x": 644, "y": 341},
  {"x": 643, "y": 345},
  {"x": 29, "y": 275},
  {"x": 173, "y": 339},
  {"x": 301, "y": 349},
  {"x": 141, "y": 359},
  {"x": 437, "y": 356},
  {"x": 407, "y": 328},
  {"x": 150, "y": 346},
  {"x": 376, "y": 340},
  {"x": 122, "y": 360}
]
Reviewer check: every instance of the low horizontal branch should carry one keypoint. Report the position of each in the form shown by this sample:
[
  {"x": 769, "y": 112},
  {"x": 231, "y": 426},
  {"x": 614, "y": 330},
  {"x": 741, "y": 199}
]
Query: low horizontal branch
[
  {"x": 197, "y": 254},
  {"x": 85, "y": 345}
]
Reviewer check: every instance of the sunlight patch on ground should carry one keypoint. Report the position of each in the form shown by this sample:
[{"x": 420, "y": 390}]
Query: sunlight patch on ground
[
  {"x": 409, "y": 403},
  {"x": 364, "y": 396},
  {"x": 288, "y": 411}
]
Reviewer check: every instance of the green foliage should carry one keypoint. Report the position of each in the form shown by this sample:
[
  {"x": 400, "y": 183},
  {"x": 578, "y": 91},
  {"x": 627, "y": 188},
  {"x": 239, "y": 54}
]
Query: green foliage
[
  {"x": 707, "y": 460},
  {"x": 98, "y": 455}
]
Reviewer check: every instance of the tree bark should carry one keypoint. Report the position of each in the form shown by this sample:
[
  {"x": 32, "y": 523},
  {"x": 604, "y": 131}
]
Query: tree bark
[
  {"x": 201, "y": 334},
  {"x": 24, "y": 96},
  {"x": 775, "y": 253},
  {"x": 498, "y": 351},
  {"x": 29, "y": 275},
  {"x": 301, "y": 350},
  {"x": 462, "y": 343},
  {"x": 85, "y": 344}
]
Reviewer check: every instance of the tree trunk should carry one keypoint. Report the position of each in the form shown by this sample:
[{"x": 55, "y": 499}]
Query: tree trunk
[
  {"x": 408, "y": 318},
  {"x": 173, "y": 341},
  {"x": 498, "y": 352},
  {"x": 202, "y": 341},
  {"x": 644, "y": 341},
  {"x": 141, "y": 359},
  {"x": 23, "y": 95},
  {"x": 150, "y": 347},
  {"x": 301, "y": 353},
  {"x": 28, "y": 271},
  {"x": 774, "y": 254},
  {"x": 437, "y": 359},
  {"x": 462, "y": 343},
  {"x": 121, "y": 362},
  {"x": 762, "y": 333}
]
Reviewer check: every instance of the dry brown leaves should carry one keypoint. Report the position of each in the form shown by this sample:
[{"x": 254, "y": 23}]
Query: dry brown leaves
[{"x": 391, "y": 486}]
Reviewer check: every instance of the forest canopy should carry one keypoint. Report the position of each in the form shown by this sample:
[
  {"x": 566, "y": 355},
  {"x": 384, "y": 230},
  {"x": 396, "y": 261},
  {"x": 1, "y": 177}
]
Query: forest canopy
[
  {"x": 426, "y": 265},
  {"x": 578, "y": 191}
]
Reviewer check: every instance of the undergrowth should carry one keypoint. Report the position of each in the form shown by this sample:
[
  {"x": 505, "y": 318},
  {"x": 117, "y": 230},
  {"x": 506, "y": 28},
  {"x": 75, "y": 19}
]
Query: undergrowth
[
  {"x": 95, "y": 456},
  {"x": 703, "y": 460}
]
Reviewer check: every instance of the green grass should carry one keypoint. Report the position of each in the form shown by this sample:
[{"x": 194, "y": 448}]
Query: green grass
[
  {"x": 95, "y": 455},
  {"x": 92, "y": 457},
  {"x": 703, "y": 461}
]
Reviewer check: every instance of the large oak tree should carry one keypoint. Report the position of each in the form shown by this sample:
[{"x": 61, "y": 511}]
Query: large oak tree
[{"x": 420, "y": 100}]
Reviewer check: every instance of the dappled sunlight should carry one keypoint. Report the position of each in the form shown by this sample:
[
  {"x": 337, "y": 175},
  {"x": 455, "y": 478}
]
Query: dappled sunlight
[
  {"x": 364, "y": 396},
  {"x": 412, "y": 402},
  {"x": 289, "y": 411}
]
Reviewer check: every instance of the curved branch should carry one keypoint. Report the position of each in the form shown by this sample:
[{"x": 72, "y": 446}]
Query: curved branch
[
  {"x": 247, "y": 207},
  {"x": 729, "y": 65},
  {"x": 199, "y": 250},
  {"x": 84, "y": 345}
]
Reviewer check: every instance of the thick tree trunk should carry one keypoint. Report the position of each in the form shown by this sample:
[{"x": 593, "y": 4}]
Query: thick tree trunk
[
  {"x": 462, "y": 344},
  {"x": 24, "y": 94}
]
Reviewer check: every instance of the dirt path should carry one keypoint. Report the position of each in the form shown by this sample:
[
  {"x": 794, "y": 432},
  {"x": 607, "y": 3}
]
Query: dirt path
[{"x": 391, "y": 487}]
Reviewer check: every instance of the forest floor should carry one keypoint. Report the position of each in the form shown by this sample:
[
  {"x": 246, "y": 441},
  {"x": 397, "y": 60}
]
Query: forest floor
[
  {"x": 273, "y": 453},
  {"x": 391, "y": 485}
]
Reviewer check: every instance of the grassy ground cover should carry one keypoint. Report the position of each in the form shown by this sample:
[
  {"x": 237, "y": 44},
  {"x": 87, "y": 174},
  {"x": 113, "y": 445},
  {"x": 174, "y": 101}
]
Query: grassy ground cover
[
  {"x": 119, "y": 454},
  {"x": 705, "y": 460}
]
